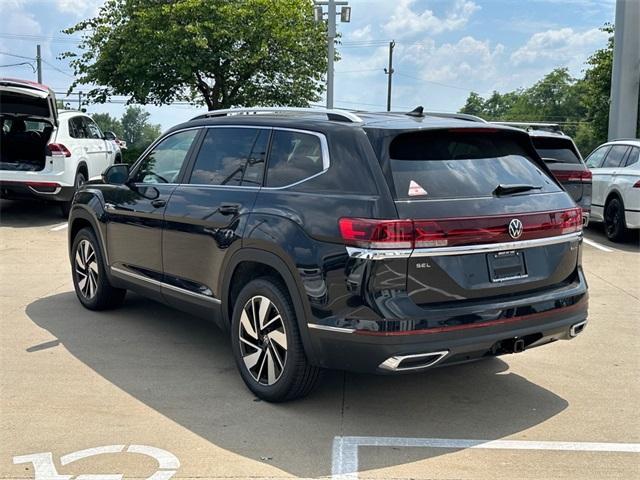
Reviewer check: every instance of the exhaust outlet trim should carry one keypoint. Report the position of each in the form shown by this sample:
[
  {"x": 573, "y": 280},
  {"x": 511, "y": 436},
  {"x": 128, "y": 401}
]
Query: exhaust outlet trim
[
  {"x": 394, "y": 363},
  {"x": 577, "y": 329}
]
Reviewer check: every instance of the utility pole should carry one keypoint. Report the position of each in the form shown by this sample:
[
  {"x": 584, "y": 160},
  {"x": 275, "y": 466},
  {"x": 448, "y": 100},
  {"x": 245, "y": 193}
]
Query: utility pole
[
  {"x": 39, "y": 63},
  {"x": 79, "y": 101},
  {"x": 345, "y": 16},
  {"x": 389, "y": 71}
]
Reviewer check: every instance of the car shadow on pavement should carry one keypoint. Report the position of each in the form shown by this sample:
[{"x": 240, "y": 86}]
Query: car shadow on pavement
[
  {"x": 183, "y": 368},
  {"x": 29, "y": 213}
]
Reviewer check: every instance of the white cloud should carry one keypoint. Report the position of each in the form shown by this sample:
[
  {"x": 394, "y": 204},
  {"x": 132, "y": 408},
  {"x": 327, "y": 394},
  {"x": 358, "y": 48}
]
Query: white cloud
[
  {"x": 467, "y": 59},
  {"x": 404, "y": 21},
  {"x": 561, "y": 47},
  {"x": 360, "y": 34},
  {"x": 79, "y": 8}
]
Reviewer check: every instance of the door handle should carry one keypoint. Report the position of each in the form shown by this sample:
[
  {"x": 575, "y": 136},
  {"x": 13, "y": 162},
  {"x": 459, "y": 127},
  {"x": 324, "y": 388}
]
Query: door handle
[
  {"x": 229, "y": 208},
  {"x": 158, "y": 203}
]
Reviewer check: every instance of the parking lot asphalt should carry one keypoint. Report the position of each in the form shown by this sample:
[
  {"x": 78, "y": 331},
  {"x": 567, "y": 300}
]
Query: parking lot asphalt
[{"x": 158, "y": 390}]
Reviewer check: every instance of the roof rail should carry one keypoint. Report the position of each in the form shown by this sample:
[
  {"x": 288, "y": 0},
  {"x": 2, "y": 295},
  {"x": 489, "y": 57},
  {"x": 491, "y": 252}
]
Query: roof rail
[
  {"x": 532, "y": 125},
  {"x": 458, "y": 116},
  {"x": 623, "y": 139},
  {"x": 332, "y": 114}
]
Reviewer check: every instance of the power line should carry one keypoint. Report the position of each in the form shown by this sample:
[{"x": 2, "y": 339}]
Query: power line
[
  {"x": 17, "y": 56},
  {"x": 57, "y": 69},
  {"x": 18, "y": 64}
]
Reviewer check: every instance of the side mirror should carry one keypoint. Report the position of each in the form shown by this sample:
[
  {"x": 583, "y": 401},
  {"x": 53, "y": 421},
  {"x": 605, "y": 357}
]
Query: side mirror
[
  {"x": 116, "y": 174},
  {"x": 109, "y": 136}
]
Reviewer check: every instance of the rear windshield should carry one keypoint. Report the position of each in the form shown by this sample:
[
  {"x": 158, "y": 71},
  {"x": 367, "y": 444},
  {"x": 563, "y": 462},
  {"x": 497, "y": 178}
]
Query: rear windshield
[
  {"x": 16, "y": 104},
  {"x": 560, "y": 149},
  {"x": 436, "y": 165}
]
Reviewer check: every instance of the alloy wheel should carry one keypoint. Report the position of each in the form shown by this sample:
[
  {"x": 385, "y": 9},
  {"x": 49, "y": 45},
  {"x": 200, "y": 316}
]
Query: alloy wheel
[
  {"x": 612, "y": 219},
  {"x": 263, "y": 340},
  {"x": 86, "y": 266}
]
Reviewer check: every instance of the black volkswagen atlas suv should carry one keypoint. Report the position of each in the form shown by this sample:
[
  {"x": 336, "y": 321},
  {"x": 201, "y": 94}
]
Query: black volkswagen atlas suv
[{"x": 368, "y": 242}]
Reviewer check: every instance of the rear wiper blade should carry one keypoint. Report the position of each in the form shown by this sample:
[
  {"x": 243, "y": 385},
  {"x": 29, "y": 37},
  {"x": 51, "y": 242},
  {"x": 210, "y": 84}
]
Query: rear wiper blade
[{"x": 503, "y": 189}]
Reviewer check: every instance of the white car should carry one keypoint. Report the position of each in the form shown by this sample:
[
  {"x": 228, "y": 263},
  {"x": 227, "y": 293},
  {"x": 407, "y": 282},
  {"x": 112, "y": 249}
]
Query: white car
[
  {"x": 44, "y": 153},
  {"x": 615, "y": 198}
]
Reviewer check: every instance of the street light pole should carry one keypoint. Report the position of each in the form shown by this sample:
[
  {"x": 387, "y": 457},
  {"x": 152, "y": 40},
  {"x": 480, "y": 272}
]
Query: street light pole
[
  {"x": 345, "y": 16},
  {"x": 331, "y": 38}
]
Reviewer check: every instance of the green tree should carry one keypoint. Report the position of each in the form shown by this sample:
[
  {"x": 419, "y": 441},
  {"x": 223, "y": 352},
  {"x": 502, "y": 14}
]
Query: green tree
[
  {"x": 597, "y": 88},
  {"x": 107, "y": 123},
  {"x": 474, "y": 105},
  {"x": 136, "y": 129},
  {"x": 220, "y": 53}
]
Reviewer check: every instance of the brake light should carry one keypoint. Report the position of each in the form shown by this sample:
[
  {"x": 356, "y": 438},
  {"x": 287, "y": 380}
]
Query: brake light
[
  {"x": 449, "y": 232},
  {"x": 58, "y": 149},
  {"x": 369, "y": 233},
  {"x": 637, "y": 184},
  {"x": 579, "y": 176}
]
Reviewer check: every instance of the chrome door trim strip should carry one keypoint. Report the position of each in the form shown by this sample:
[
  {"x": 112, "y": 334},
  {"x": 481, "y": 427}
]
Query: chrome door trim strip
[
  {"x": 329, "y": 328},
  {"x": 120, "y": 271},
  {"x": 380, "y": 254}
]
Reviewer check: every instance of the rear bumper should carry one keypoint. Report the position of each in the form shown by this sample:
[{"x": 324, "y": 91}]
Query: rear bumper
[
  {"x": 632, "y": 218},
  {"x": 54, "y": 191},
  {"x": 461, "y": 337}
]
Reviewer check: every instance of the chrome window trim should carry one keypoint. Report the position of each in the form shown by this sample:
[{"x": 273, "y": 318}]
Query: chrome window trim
[
  {"x": 329, "y": 328},
  {"x": 324, "y": 146},
  {"x": 380, "y": 254},
  {"x": 120, "y": 271}
]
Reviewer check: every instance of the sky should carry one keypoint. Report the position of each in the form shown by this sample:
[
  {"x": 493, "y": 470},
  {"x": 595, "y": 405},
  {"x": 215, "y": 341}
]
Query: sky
[{"x": 444, "y": 48}]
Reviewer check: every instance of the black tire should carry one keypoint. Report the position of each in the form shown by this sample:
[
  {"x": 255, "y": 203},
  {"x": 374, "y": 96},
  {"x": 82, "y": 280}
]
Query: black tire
[
  {"x": 65, "y": 207},
  {"x": 89, "y": 274},
  {"x": 614, "y": 223},
  {"x": 297, "y": 377}
]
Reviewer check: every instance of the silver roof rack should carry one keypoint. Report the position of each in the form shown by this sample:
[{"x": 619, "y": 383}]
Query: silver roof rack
[
  {"x": 332, "y": 114},
  {"x": 459, "y": 116}
]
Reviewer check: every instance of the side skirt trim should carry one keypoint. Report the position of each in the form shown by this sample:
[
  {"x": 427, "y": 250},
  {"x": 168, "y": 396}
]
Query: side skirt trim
[{"x": 124, "y": 273}]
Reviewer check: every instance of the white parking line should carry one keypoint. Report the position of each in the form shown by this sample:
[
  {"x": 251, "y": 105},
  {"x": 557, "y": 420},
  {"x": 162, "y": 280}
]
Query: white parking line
[
  {"x": 597, "y": 245},
  {"x": 344, "y": 464},
  {"x": 57, "y": 228}
]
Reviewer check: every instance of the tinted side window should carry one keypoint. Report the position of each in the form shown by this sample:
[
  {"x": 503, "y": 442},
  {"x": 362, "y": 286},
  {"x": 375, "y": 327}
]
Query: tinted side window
[
  {"x": 163, "y": 163},
  {"x": 615, "y": 156},
  {"x": 76, "y": 128},
  {"x": 294, "y": 156},
  {"x": 231, "y": 156},
  {"x": 91, "y": 128},
  {"x": 633, "y": 157},
  {"x": 597, "y": 156}
]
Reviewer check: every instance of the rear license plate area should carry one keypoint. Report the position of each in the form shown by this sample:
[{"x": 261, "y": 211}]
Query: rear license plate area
[{"x": 508, "y": 265}]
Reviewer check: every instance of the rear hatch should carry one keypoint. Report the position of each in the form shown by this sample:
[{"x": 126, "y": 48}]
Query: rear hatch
[
  {"x": 480, "y": 212},
  {"x": 28, "y": 116},
  {"x": 563, "y": 159}
]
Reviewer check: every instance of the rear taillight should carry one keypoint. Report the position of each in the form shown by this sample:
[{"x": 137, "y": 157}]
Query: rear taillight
[
  {"x": 369, "y": 233},
  {"x": 579, "y": 176},
  {"x": 58, "y": 149},
  {"x": 637, "y": 184},
  {"x": 449, "y": 232}
]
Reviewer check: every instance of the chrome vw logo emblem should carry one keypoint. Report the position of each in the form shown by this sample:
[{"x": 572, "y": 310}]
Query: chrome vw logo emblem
[{"x": 515, "y": 228}]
